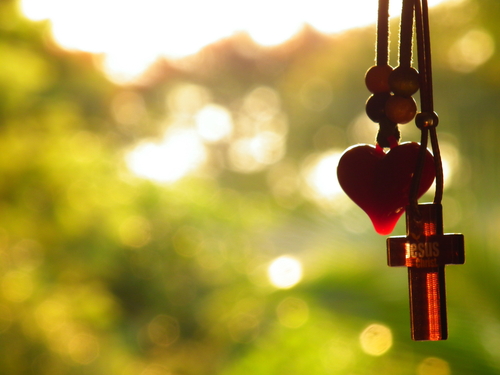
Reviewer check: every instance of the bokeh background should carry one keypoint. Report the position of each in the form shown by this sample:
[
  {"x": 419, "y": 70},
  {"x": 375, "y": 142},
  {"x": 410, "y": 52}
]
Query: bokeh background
[{"x": 168, "y": 194}]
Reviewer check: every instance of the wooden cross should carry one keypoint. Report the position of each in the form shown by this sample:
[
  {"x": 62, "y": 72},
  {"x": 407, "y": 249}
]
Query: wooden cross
[{"x": 425, "y": 250}]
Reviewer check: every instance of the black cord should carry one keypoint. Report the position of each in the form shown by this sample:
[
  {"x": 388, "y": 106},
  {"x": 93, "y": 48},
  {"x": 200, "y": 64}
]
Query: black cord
[
  {"x": 383, "y": 33},
  {"x": 406, "y": 34},
  {"x": 426, "y": 91}
]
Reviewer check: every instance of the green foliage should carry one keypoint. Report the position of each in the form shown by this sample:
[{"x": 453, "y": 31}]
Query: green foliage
[{"x": 102, "y": 272}]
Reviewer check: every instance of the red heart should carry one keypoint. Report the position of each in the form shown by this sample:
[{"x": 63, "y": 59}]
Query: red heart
[{"x": 380, "y": 183}]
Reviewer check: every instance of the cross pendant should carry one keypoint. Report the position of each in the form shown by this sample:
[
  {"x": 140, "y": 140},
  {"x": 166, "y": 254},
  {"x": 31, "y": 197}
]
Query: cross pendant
[{"x": 425, "y": 250}]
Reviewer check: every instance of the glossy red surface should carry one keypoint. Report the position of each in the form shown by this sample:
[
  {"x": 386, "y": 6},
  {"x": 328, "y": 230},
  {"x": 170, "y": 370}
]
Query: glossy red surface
[{"x": 380, "y": 182}]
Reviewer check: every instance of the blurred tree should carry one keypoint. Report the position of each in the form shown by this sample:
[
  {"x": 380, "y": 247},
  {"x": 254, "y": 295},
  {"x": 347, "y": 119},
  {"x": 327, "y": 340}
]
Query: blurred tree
[{"x": 102, "y": 272}]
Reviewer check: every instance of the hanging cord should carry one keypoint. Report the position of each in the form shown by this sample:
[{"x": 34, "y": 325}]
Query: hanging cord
[
  {"x": 424, "y": 55},
  {"x": 432, "y": 121},
  {"x": 415, "y": 182},
  {"x": 377, "y": 82},
  {"x": 399, "y": 106},
  {"x": 406, "y": 34},
  {"x": 427, "y": 119},
  {"x": 383, "y": 33},
  {"x": 405, "y": 62},
  {"x": 438, "y": 195}
]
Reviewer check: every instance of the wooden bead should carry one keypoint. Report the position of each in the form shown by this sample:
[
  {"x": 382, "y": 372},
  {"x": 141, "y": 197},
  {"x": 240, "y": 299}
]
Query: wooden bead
[
  {"x": 400, "y": 109},
  {"x": 377, "y": 78},
  {"x": 404, "y": 81},
  {"x": 427, "y": 120},
  {"x": 375, "y": 106}
]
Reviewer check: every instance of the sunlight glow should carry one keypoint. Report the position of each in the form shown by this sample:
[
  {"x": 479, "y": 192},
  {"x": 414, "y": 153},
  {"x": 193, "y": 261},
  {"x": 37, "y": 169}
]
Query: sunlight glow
[
  {"x": 285, "y": 272},
  {"x": 471, "y": 51},
  {"x": 186, "y": 99},
  {"x": 124, "y": 66},
  {"x": 253, "y": 154},
  {"x": 134, "y": 34},
  {"x": 376, "y": 339},
  {"x": 37, "y": 10},
  {"x": 321, "y": 183},
  {"x": 451, "y": 162},
  {"x": 321, "y": 178},
  {"x": 214, "y": 123},
  {"x": 268, "y": 24},
  {"x": 262, "y": 126},
  {"x": 180, "y": 153}
]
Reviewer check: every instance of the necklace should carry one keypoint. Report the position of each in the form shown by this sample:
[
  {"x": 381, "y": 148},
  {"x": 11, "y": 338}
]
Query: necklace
[{"x": 387, "y": 184}]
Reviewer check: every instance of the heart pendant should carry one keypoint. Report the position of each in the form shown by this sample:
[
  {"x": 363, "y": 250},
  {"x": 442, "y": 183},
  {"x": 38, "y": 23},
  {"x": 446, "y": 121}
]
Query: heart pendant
[{"x": 380, "y": 182}]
